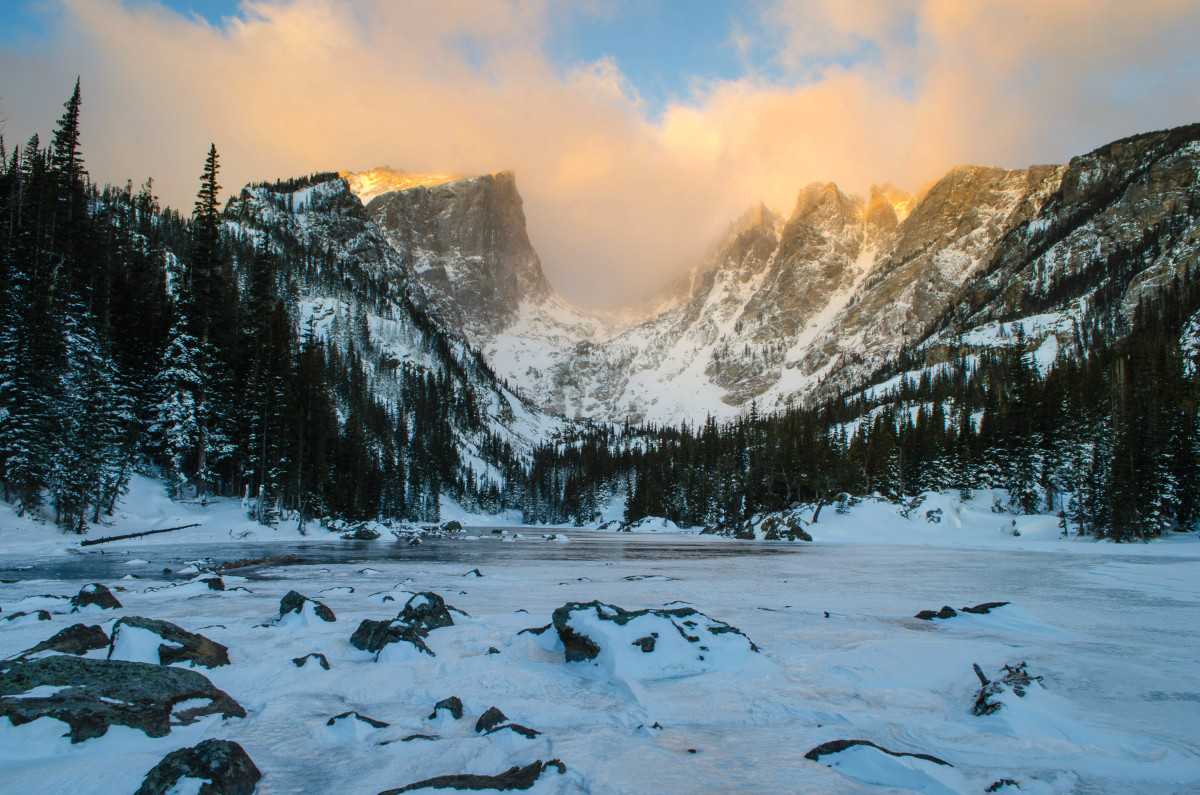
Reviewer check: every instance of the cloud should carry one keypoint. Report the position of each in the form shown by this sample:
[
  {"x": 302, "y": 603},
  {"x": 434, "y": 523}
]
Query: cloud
[{"x": 619, "y": 196}]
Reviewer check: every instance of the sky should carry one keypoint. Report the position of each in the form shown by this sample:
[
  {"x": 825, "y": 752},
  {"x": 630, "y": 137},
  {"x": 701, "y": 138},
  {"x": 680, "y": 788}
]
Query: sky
[{"x": 638, "y": 129}]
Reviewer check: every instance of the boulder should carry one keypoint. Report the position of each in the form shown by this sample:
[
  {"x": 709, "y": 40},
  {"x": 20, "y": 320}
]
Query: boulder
[
  {"x": 453, "y": 704},
  {"x": 178, "y": 644},
  {"x": 984, "y": 608},
  {"x": 425, "y": 612},
  {"x": 489, "y": 720},
  {"x": 94, "y": 594},
  {"x": 76, "y": 639},
  {"x": 214, "y": 584},
  {"x": 653, "y": 643},
  {"x": 372, "y": 636},
  {"x": 512, "y": 779},
  {"x": 224, "y": 765},
  {"x": 294, "y": 602},
  {"x": 91, "y": 695},
  {"x": 452, "y": 526}
]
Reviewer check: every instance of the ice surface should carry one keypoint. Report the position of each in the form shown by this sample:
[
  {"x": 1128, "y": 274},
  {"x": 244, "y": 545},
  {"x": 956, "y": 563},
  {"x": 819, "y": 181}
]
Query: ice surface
[{"x": 1113, "y": 630}]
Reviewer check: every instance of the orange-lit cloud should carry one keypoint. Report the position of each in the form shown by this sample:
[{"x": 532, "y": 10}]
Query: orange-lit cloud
[{"x": 619, "y": 196}]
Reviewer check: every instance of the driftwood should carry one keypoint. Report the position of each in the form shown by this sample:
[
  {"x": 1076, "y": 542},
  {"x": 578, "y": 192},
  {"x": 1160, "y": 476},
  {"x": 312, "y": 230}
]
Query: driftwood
[{"x": 89, "y": 542}]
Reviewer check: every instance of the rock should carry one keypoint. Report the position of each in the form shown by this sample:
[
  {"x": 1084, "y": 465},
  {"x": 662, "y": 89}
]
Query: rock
[
  {"x": 682, "y": 637},
  {"x": 42, "y": 615},
  {"x": 299, "y": 662},
  {"x": 492, "y": 650},
  {"x": 474, "y": 573},
  {"x": 489, "y": 720},
  {"x": 996, "y": 786},
  {"x": 524, "y": 731},
  {"x": 453, "y": 704},
  {"x": 372, "y": 636},
  {"x": 214, "y": 584},
  {"x": 96, "y": 694},
  {"x": 412, "y": 737},
  {"x": 76, "y": 639},
  {"x": 361, "y": 534},
  {"x": 375, "y": 724},
  {"x": 94, "y": 594},
  {"x": 179, "y": 646},
  {"x": 293, "y": 602},
  {"x": 984, "y": 608},
  {"x": 934, "y": 516},
  {"x": 929, "y": 615},
  {"x": 453, "y": 526},
  {"x": 837, "y": 746},
  {"x": 535, "y": 630},
  {"x": 225, "y": 766},
  {"x": 425, "y": 612},
  {"x": 511, "y": 779},
  {"x": 1015, "y": 678}
]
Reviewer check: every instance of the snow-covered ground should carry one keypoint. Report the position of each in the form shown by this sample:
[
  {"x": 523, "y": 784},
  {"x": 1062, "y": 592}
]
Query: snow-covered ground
[{"x": 1113, "y": 631}]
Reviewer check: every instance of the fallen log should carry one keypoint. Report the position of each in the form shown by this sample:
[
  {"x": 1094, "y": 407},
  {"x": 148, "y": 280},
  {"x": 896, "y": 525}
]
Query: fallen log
[
  {"x": 89, "y": 542},
  {"x": 241, "y": 564}
]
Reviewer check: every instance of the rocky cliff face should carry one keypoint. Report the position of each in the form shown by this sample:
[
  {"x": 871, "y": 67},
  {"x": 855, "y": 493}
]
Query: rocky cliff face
[
  {"x": 808, "y": 305},
  {"x": 464, "y": 241}
]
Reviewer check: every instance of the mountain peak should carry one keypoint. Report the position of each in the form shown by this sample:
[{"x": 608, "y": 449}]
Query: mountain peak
[{"x": 366, "y": 185}]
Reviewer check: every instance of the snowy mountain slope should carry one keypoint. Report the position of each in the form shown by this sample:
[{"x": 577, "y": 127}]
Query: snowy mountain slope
[
  {"x": 805, "y": 306},
  {"x": 358, "y": 292}
]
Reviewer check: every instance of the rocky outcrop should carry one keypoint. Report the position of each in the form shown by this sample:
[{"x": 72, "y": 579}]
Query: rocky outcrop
[
  {"x": 223, "y": 766},
  {"x": 515, "y": 778},
  {"x": 94, "y": 595},
  {"x": 297, "y": 603},
  {"x": 466, "y": 245},
  {"x": 421, "y": 614},
  {"x": 77, "y": 639},
  {"x": 91, "y": 695},
  {"x": 178, "y": 645}
]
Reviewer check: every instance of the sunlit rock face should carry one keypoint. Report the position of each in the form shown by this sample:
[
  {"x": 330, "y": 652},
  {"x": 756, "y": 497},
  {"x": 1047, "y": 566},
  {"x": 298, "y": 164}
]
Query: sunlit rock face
[
  {"x": 791, "y": 308},
  {"x": 465, "y": 243}
]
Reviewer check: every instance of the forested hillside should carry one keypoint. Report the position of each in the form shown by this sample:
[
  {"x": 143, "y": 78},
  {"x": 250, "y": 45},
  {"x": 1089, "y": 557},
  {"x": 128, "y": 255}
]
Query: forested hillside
[{"x": 137, "y": 339}]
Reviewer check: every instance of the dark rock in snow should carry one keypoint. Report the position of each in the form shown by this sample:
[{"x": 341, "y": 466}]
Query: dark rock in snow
[
  {"x": 1015, "y": 677},
  {"x": 490, "y": 720},
  {"x": 492, "y": 650},
  {"x": 180, "y": 645},
  {"x": 97, "y": 694},
  {"x": 934, "y": 516},
  {"x": 214, "y": 583},
  {"x": 929, "y": 615},
  {"x": 996, "y": 786},
  {"x": 42, "y": 615},
  {"x": 376, "y": 724},
  {"x": 453, "y": 526},
  {"x": 453, "y": 704},
  {"x": 984, "y": 608},
  {"x": 837, "y": 746},
  {"x": 75, "y": 639},
  {"x": 225, "y": 766},
  {"x": 512, "y": 779},
  {"x": 425, "y": 612},
  {"x": 293, "y": 602},
  {"x": 535, "y": 630},
  {"x": 474, "y": 573},
  {"x": 299, "y": 662},
  {"x": 579, "y": 647},
  {"x": 94, "y": 594},
  {"x": 412, "y": 737},
  {"x": 524, "y": 731},
  {"x": 374, "y": 635}
]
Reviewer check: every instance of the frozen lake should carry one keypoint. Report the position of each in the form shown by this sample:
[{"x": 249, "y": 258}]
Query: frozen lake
[{"x": 1116, "y": 638}]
